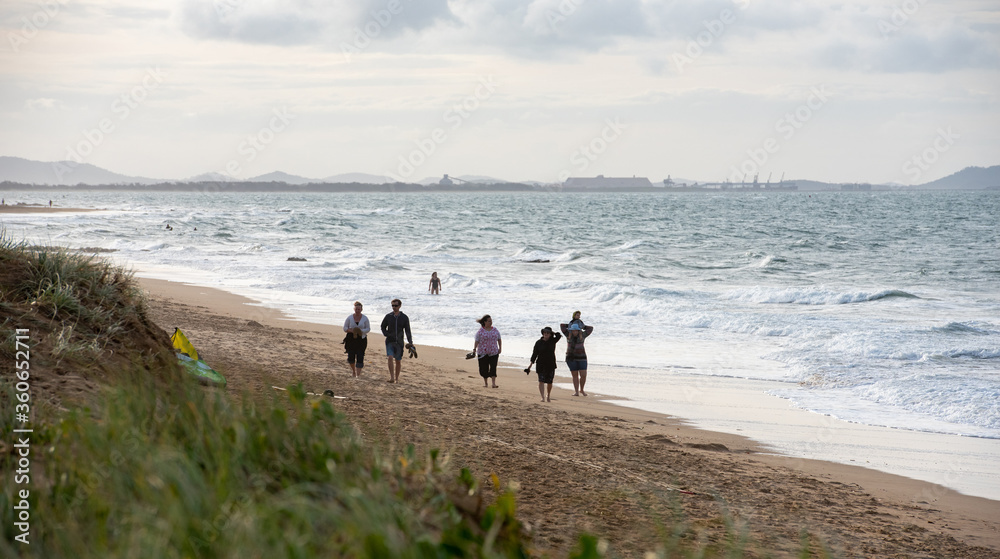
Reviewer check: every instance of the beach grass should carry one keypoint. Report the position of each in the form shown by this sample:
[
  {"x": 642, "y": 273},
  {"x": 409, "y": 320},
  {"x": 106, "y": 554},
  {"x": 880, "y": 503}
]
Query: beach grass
[
  {"x": 170, "y": 469},
  {"x": 87, "y": 316}
]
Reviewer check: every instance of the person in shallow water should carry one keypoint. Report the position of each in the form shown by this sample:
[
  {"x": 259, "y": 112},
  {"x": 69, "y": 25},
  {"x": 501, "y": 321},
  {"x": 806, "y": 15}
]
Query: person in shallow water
[
  {"x": 487, "y": 348},
  {"x": 435, "y": 285},
  {"x": 576, "y": 355}
]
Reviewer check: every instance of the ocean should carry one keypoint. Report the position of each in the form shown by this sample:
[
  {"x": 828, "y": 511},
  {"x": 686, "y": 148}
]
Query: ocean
[{"x": 876, "y": 308}]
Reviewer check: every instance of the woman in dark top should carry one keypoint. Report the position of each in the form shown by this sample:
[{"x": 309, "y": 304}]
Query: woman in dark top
[{"x": 544, "y": 355}]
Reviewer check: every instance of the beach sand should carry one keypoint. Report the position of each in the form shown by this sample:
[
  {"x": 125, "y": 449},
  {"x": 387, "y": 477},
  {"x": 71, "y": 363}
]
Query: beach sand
[
  {"x": 581, "y": 464},
  {"x": 38, "y": 209}
]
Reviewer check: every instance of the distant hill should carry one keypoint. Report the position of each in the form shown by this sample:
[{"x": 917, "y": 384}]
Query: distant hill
[
  {"x": 280, "y": 176},
  {"x": 361, "y": 178},
  {"x": 16, "y": 169},
  {"x": 969, "y": 178},
  {"x": 209, "y": 177}
]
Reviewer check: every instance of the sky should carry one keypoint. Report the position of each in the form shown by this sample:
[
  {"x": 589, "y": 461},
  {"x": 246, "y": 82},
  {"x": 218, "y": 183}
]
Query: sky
[{"x": 901, "y": 91}]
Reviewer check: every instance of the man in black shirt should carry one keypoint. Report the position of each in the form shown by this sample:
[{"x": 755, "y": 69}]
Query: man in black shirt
[{"x": 394, "y": 326}]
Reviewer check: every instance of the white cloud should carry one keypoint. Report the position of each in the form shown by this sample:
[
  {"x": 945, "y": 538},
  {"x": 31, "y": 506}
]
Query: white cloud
[
  {"x": 299, "y": 22},
  {"x": 39, "y": 104},
  {"x": 912, "y": 50}
]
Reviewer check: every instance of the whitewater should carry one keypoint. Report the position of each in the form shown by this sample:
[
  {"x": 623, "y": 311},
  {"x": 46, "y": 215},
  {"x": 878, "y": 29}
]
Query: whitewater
[{"x": 881, "y": 309}]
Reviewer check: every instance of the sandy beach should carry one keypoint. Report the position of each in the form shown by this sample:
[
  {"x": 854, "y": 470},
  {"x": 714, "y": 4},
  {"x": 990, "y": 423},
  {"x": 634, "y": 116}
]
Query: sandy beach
[
  {"x": 39, "y": 209},
  {"x": 581, "y": 464}
]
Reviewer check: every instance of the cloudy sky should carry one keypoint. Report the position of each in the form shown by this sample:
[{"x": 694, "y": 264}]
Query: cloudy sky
[{"x": 885, "y": 91}]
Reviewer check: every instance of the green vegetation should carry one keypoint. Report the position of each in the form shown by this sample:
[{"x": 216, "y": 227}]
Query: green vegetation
[
  {"x": 65, "y": 285},
  {"x": 87, "y": 315},
  {"x": 169, "y": 469}
]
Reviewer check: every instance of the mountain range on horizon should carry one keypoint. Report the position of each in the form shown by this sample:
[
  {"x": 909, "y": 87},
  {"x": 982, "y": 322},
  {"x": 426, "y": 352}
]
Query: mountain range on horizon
[{"x": 68, "y": 173}]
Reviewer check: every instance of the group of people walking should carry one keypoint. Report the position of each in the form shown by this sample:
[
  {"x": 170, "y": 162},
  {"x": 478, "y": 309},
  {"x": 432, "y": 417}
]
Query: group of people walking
[{"x": 486, "y": 349}]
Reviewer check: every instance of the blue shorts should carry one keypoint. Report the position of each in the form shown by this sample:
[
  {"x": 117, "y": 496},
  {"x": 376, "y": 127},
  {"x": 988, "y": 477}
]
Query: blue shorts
[
  {"x": 394, "y": 350},
  {"x": 576, "y": 364}
]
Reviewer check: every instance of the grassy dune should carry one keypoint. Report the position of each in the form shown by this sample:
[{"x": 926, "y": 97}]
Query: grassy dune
[{"x": 175, "y": 470}]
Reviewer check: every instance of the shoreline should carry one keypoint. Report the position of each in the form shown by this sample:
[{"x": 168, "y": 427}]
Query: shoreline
[
  {"x": 970, "y": 519},
  {"x": 966, "y": 464},
  {"x": 22, "y": 208}
]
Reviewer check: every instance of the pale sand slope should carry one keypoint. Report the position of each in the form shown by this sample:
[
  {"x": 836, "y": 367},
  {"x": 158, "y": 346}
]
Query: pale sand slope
[
  {"x": 581, "y": 464},
  {"x": 33, "y": 209},
  {"x": 746, "y": 407}
]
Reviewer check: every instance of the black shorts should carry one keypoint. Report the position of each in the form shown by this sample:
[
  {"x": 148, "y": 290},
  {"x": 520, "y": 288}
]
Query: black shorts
[
  {"x": 357, "y": 356},
  {"x": 488, "y": 366},
  {"x": 546, "y": 374}
]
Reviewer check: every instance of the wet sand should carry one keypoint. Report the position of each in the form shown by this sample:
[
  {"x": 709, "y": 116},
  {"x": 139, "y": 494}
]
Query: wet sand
[{"x": 39, "y": 209}]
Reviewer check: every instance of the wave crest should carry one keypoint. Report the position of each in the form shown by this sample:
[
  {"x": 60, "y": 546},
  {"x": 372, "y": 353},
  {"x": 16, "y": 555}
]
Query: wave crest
[{"x": 805, "y": 296}]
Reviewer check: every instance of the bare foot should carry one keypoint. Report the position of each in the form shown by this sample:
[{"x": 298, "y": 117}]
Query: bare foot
[
  {"x": 543, "y": 399},
  {"x": 576, "y": 394},
  {"x": 549, "y": 400},
  {"x": 390, "y": 381},
  {"x": 583, "y": 393},
  {"x": 495, "y": 386}
]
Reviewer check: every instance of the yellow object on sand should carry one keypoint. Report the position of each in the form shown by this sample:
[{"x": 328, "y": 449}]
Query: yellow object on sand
[{"x": 182, "y": 344}]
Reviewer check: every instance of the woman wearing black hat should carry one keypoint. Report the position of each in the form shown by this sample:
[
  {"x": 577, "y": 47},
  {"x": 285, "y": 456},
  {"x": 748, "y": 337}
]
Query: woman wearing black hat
[{"x": 545, "y": 355}]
